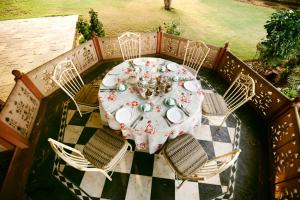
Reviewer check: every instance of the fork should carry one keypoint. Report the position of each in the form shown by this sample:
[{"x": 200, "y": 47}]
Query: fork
[{"x": 114, "y": 111}]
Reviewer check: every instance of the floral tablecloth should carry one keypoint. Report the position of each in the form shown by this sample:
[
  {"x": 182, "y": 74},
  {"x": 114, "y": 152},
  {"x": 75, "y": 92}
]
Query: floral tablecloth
[{"x": 153, "y": 130}]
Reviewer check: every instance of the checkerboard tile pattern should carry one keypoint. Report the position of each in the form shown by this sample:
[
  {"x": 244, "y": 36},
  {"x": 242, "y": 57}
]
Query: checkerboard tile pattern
[{"x": 141, "y": 175}]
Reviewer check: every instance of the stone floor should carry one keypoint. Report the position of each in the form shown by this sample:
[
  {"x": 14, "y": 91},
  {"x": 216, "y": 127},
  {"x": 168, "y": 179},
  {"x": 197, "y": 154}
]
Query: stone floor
[
  {"x": 28, "y": 43},
  {"x": 141, "y": 173}
]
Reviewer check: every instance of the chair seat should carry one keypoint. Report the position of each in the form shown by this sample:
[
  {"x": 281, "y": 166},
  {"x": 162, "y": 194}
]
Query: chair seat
[
  {"x": 88, "y": 95},
  {"x": 185, "y": 154},
  {"x": 214, "y": 104},
  {"x": 103, "y": 148}
]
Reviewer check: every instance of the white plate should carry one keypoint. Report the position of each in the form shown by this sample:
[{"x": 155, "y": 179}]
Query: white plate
[
  {"x": 175, "y": 115},
  {"x": 109, "y": 81},
  {"x": 124, "y": 115},
  {"x": 139, "y": 62},
  {"x": 172, "y": 67},
  {"x": 191, "y": 86}
]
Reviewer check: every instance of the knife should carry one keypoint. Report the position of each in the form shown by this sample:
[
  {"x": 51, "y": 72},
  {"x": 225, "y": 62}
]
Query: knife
[{"x": 183, "y": 110}]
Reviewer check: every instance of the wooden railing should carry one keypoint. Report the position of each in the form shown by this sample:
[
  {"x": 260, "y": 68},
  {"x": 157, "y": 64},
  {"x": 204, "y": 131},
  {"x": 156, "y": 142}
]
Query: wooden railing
[{"x": 22, "y": 115}]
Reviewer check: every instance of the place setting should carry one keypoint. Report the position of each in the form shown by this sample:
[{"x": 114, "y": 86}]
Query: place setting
[
  {"x": 175, "y": 113},
  {"x": 112, "y": 84}
]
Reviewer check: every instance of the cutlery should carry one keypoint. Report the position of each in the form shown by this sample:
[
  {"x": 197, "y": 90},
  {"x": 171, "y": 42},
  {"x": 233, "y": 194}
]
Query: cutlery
[
  {"x": 183, "y": 110},
  {"x": 114, "y": 111},
  {"x": 134, "y": 122},
  {"x": 167, "y": 120},
  {"x": 141, "y": 119},
  {"x": 107, "y": 89}
]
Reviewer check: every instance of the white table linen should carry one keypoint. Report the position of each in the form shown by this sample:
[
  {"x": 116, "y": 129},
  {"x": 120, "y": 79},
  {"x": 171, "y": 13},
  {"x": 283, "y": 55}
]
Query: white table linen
[{"x": 153, "y": 131}]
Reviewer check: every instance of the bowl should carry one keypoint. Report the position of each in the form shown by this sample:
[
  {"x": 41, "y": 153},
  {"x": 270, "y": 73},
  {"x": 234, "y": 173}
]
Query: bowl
[
  {"x": 170, "y": 101},
  {"x": 145, "y": 107},
  {"x": 121, "y": 87}
]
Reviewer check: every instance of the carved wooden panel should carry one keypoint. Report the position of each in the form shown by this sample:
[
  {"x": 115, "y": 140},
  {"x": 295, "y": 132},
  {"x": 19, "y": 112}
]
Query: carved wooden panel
[
  {"x": 288, "y": 190},
  {"x": 86, "y": 56},
  {"x": 20, "y": 110},
  {"x": 173, "y": 46},
  {"x": 110, "y": 47},
  {"x": 182, "y": 49},
  {"x": 286, "y": 161},
  {"x": 285, "y": 128},
  {"x": 148, "y": 43},
  {"x": 211, "y": 57},
  {"x": 268, "y": 99},
  {"x": 83, "y": 57}
]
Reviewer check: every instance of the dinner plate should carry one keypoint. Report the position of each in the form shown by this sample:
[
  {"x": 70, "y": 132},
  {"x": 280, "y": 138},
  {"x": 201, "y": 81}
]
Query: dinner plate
[
  {"x": 172, "y": 67},
  {"x": 109, "y": 81},
  {"x": 190, "y": 86},
  {"x": 139, "y": 61},
  {"x": 175, "y": 115},
  {"x": 124, "y": 115}
]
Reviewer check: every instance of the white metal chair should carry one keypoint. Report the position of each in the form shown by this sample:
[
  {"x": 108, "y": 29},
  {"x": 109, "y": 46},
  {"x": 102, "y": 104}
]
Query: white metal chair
[
  {"x": 189, "y": 161},
  {"x": 240, "y": 91},
  {"x": 84, "y": 96},
  {"x": 130, "y": 45},
  {"x": 195, "y": 54},
  {"x": 102, "y": 152}
]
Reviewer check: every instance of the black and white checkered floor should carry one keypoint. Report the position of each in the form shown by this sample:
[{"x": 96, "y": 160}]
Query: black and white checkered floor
[{"x": 141, "y": 175}]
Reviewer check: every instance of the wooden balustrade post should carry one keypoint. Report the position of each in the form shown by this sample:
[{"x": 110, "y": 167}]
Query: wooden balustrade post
[
  {"x": 296, "y": 102},
  {"x": 97, "y": 46},
  {"x": 220, "y": 56},
  {"x": 159, "y": 40},
  {"x": 29, "y": 84}
]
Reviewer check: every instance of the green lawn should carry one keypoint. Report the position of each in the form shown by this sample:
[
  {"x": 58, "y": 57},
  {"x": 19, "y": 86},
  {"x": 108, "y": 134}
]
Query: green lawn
[{"x": 213, "y": 21}]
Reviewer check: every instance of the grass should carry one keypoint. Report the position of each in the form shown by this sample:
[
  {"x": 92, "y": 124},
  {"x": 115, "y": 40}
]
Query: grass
[{"x": 212, "y": 21}]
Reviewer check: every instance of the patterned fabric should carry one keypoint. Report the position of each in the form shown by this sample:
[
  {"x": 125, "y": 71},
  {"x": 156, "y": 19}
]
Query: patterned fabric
[
  {"x": 214, "y": 104},
  {"x": 186, "y": 154},
  {"x": 103, "y": 147},
  {"x": 87, "y": 95},
  {"x": 152, "y": 131}
]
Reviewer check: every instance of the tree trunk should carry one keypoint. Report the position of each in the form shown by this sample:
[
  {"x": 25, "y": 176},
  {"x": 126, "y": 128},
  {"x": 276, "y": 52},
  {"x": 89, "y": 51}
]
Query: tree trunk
[{"x": 168, "y": 4}]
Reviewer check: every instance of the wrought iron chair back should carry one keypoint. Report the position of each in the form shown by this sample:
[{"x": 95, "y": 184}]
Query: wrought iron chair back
[
  {"x": 130, "y": 45},
  {"x": 66, "y": 76},
  {"x": 240, "y": 91},
  {"x": 218, "y": 164},
  {"x": 209, "y": 169},
  {"x": 195, "y": 54},
  {"x": 102, "y": 152}
]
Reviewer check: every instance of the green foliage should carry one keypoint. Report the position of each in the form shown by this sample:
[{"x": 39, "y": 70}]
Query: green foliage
[
  {"x": 294, "y": 78},
  {"x": 86, "y": 29},
  {"x": 173, "y": 28},
  {"x": 95, "y": 25},
  {"x": 282, "y": 42},
  {"x": 289, "y": 92}
]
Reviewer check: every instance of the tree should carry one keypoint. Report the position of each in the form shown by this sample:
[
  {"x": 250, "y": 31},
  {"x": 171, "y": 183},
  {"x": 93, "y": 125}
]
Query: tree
[
  {"x": 86, "y": 29},
  {"x": 168, "y": 4}
]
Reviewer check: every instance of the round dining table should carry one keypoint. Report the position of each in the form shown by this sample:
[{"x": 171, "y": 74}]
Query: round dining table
[{"x": 121, "y": 110}]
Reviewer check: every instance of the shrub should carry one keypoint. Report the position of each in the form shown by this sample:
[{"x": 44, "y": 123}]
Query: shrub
[
  {"x": 173, "y": 28},
  {"x": 289, "y": 92},
  {"x": 86, "y": 29},
  {"x": 282, "y": 42}
]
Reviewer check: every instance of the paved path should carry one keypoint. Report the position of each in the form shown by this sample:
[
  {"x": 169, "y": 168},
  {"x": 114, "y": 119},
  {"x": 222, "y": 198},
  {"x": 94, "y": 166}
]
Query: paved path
[{"x": 27, "y": 43}]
